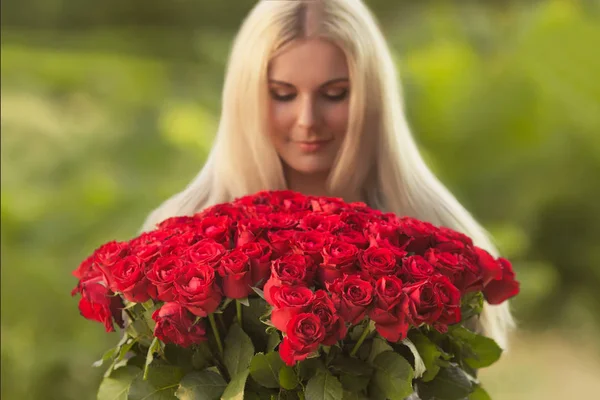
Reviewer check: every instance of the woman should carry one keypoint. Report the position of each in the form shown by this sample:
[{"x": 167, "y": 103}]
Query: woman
[{"x": 311, "y": 103}]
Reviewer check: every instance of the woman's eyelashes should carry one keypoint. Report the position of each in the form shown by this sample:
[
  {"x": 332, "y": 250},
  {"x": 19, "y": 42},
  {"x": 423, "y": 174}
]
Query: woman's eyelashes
[{"x": 330, "y": 95}]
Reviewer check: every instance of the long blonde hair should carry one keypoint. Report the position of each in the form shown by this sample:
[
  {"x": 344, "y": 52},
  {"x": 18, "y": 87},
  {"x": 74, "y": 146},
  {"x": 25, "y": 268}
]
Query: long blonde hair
[{"x": 379, "y": 149}]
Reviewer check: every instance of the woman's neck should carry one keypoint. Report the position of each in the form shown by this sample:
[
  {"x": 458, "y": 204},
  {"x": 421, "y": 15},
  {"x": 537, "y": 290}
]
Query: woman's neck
[{"x": 315, "y": 185}]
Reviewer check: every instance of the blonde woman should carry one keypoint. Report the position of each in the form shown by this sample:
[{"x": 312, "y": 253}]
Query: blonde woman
[{"x": 311, "y": 103}]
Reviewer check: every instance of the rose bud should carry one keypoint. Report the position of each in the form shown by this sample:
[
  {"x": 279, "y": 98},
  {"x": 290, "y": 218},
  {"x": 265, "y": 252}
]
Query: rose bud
[
  {"x": 234, "y": 268},
  {"x": 435, "y": 301},
  {"x": 196, "y": 289},
  {"x": 378, "y": 262},
  {"x": 292, "y": 269},
  {"x": 175, "y": 324},
  {"x": 339, "y": 258},
  {"x": 499, "y": 290},
  {"x": 323, "y": 307},
  {"x": 163, "y": 274},
  {"x": 390, "y": 312},
  {"x": 287, "y": 302},
  {"x": 129, "y": 279},
  {"x": 98, "y": 303},
  {"x": 352, "y": 295},
  {"x": 304, "y": 333},
  {"x": 259, "y": 253}
]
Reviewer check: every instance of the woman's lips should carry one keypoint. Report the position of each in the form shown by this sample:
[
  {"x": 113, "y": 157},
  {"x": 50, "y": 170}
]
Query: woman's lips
[{"x": 312, "y": 146}]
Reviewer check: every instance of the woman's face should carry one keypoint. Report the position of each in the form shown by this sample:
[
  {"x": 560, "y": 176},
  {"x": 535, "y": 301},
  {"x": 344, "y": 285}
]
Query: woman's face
[{"x": 309, "y": 90}]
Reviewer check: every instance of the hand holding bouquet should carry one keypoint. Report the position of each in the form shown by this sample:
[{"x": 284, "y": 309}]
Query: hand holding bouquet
[{"x": 284, "y": 296}]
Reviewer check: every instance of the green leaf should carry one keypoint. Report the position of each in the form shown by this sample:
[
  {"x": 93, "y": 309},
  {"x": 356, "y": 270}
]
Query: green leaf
[
  {"x": 264, "y": 369},
  {"x": 287, "y": 378},
  {"x": 449, "y": 384},
  {"x": 259, "y": 292},
  {"x": 253, "y": 325},
  {"x": 154, "y": 348},
  {"x": 479, "y": 394},
  {"x": 123, "y": 349},
  {"x": 478, "y": 351},
  {"x": 378, "y": 346},
  {"x": 235, "y": 389},
  {"x": 419, "y": 363},
  {"x": 204, "y": 385},
  {"x": 117, "y": 385},
  {"x": 393, "y": 375},
  {"x": 273, "y": 341},
  {"x": 351, "y": 366},
  {"x": 354, "y": 383},
  {"x": 202, "y": 356},
  {"x": 244, "y": 302},
  {"x": 323, "y": 386},
  {"x": 429, "y": 353},
  {"x": 160, "y": 384},
  {"x": 238, "y": 350},
  {"x": 471, "y": 305},
  {"x": 309, "y": 367},
  {"x": 354, "y": 395}
]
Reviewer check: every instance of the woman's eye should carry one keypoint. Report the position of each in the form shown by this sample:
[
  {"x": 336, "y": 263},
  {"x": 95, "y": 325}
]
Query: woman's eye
[
  {"x": 336, "y": 95},
  {"x": 282, "y": 96}
]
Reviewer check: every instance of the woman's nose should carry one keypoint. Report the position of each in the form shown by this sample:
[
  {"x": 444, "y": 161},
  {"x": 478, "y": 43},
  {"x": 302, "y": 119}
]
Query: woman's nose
[{"x": 307, "y": 113}]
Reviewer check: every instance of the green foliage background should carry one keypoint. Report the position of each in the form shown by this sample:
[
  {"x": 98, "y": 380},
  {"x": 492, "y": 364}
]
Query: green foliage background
[{"x": 109, "y": 107}]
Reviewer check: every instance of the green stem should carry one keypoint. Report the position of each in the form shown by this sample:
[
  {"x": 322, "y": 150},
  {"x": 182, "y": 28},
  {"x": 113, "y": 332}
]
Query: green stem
[
  {"x": 213, "y": 324},
  {"x": 301, "y": 395},
  {"x": 221, "y": 323},
  {"x": 238, "y": 309},
  {"x": 361, "y": 339}
]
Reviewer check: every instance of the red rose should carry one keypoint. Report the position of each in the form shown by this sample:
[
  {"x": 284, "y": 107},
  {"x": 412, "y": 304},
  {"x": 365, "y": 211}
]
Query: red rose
[
  {"x": 216, "y": 228},
  {"x": 292, "y": 269},
  {"x": 206, "y": 251},
  {"x": 416, "y": 268},
  {"x": 323, "y": 307},
  {"x": 490, "y": 268},
  {"x": 197, "y": 290},
  {"x": 147, "y": 253},
  {"x": 108, "y": 255},
  {"x": 321, "y": 222},
  {"x": 499, "y": 290},
  {"x": 339, "y": 258},
  {"x": 351, "y": 236},
  {"x": 287, "y": 302},
  {"x": 249, "y": 230},
  {"x": 390, "y": 312},
  {"x": 259, "y": 253},
  {"x": 234, "y": 268},
  {"x": 175, "y": 222},
  {"x": 178, "y": 244},
  {"x": 329, "y": 205},
  {"x": 296, "y": 203},
  {"x": 128, "y": 278},
  {"x": 87, "y": 267},
  {"x": 435, "y": 301},
  {"x": 419, "y": 232},
  {"x": 311, "y": 243},
  {"x": 282, "y": 221},
  {"x": 304, "y": 333},
  {"x": 352, "y": 296},
  {"x": 378, "y": 262},
  {"x": 462, "y": 271},
  {"x": 163, "y": 274},
  {"x": 98, "y": 303},
  {"x": 280, "y": 241},
  {"x": 175, "y": 324}
]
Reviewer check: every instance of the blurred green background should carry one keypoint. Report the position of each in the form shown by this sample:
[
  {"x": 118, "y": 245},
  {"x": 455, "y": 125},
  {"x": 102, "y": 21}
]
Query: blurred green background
[{"x": 109, "y": 107}]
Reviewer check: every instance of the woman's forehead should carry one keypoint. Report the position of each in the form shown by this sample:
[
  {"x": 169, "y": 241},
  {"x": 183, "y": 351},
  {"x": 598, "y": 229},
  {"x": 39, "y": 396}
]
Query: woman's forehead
[{"x": 309, "y": 62}]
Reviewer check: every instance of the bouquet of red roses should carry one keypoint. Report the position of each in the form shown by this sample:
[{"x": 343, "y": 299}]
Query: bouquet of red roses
[{"x": 284, "y": 296}]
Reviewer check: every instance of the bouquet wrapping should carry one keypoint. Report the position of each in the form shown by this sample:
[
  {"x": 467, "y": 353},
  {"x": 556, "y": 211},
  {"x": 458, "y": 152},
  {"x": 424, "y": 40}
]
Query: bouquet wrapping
[{"x": 279, "y": 295}]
